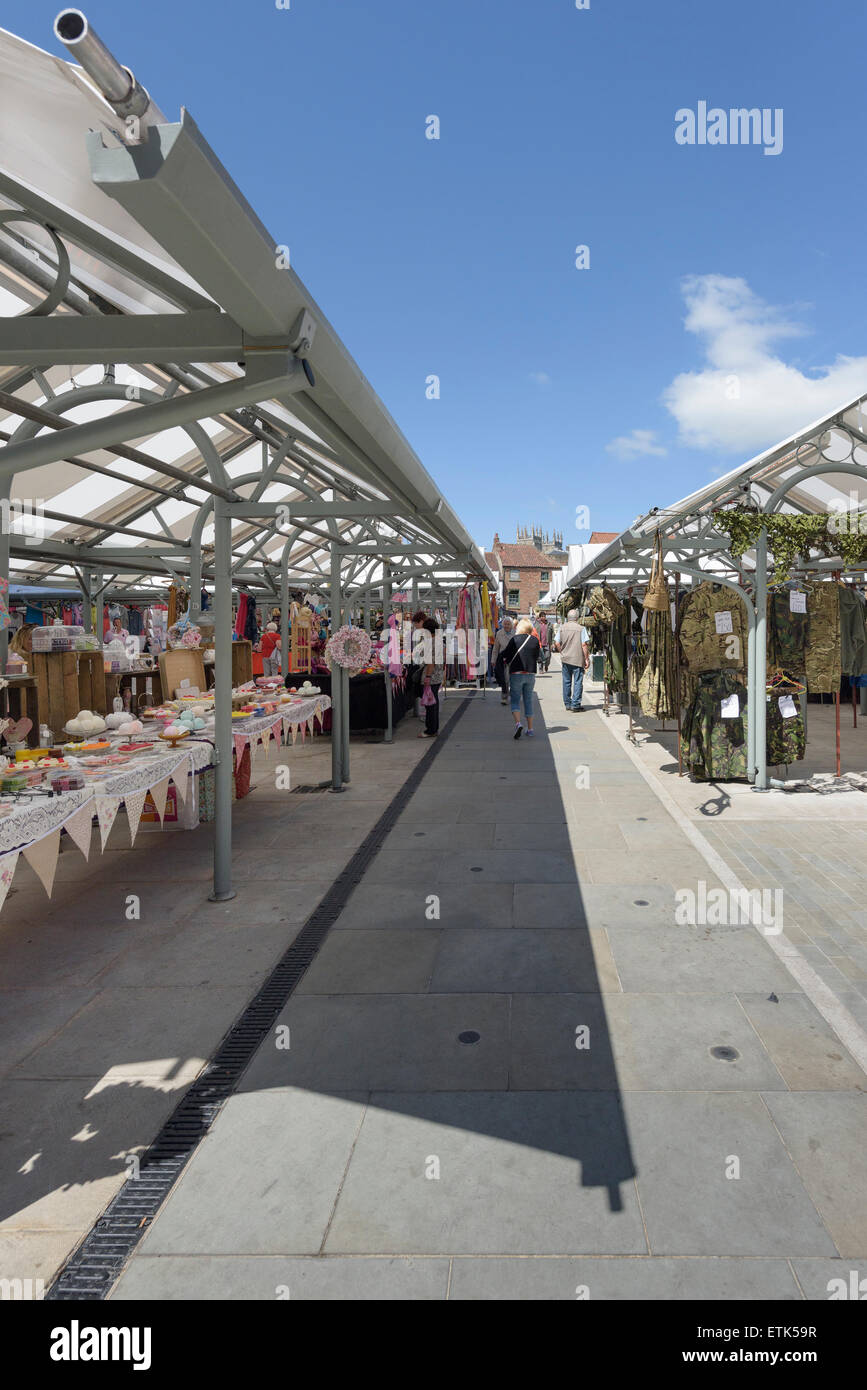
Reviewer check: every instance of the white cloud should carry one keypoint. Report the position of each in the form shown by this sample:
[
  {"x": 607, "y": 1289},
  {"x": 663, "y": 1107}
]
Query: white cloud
[
  {"x": 638, "y": 444},
  {"x": 540, "y": 378},
  {"x": 746, "y": 397}
]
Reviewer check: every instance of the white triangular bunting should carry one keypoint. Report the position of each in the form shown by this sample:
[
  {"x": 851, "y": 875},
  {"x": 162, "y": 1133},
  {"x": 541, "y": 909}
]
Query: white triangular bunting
[
  {"x": 179, "y": 777},
  {"x": 159, "y": 792},
  {"x": 294, "y": 730},
  {"x": 107, "y": 808},
  {"x": 42, "y": 858},
  {"x": 79, "y": 827},
  {"x": 134, "y": 806},
  {"x": 7, "y": 870}
]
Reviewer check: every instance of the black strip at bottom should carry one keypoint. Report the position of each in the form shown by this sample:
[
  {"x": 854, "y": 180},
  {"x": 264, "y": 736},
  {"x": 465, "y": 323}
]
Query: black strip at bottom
[{"x": 95, "y": 1265}]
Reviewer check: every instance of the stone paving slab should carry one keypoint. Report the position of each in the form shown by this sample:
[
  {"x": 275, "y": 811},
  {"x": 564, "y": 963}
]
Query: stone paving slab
[
  {"x": 686, "y": 1143},
  {"x": 826, "y": 1135},
  {"x": 639, "y": 1042},
  {"x": 659, "y": 1278},
  {"x": 239, "y": 1278},
  {"x": 388, "y": 1042},
  {"x": 519, "y": 1173},
  {"x": 245, "y": 1194}
]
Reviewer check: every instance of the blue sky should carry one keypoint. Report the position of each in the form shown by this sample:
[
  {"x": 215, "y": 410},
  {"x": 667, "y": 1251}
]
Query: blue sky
[{"x": 719, "y": 309}]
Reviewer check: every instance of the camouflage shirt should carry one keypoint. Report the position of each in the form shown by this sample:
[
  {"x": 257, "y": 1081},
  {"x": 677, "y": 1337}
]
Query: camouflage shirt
[
  {"x": 713, "y": 629},
  {"x": 823, "y": 638}
]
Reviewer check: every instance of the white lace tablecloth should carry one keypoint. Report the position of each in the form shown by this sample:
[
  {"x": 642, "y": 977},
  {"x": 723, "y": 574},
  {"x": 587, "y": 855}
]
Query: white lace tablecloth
[
  {"x": 32, "y": 817},
  {"x": 290, "y": 716}
]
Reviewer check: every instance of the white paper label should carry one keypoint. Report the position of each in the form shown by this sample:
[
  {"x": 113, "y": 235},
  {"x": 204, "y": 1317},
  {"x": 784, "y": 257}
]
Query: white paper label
[
  {"x": 723, "y": 621},
  {"x": 787, "y": 707},
  {"x": 797, "y": 601},
  {"x": 731, "y": 707}
]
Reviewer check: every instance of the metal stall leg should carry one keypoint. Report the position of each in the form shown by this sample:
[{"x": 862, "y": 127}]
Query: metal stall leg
[
  {"x": 337, "y": 707},
  {"x": 223, "y": 889},
  {"x": 344, "y": 751},
  {"x": 760, "y": 665},
  {"x": 389, "y": 727}
]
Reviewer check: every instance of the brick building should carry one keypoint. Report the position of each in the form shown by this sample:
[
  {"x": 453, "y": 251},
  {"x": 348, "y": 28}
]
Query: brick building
[{"x": 525, "y": 568}]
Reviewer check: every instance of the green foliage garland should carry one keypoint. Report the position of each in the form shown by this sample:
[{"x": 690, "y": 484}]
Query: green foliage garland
[{"x": 792, "y": 536}]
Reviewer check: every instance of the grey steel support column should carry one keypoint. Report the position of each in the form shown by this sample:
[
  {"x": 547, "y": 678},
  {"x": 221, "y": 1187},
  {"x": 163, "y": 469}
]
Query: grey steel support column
[
  {"x": 87, "y": 598},
  {"x": 5, "y": 544},
  {"x": 760, "y": 665},
  {"x": 751, "y": 702},
  {"x": 415, "y": 596},
  {"x": 389, "y": 728},
  {"x": 284, "y": 612},
  {"x": 344, "y": 750},
  {"x": 337, "y": 707},
  {"x": 223, "y": 889}
]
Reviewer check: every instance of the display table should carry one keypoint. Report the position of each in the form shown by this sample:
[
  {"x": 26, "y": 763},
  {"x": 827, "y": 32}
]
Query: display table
[
  {"x": 298, "y": 715},
  {"x": 368, "y": 699}
]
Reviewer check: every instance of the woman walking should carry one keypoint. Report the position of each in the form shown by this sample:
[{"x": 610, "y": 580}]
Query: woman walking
[
  {"x": 521, "y": 658},
  {"x": 432, "y": 678}
]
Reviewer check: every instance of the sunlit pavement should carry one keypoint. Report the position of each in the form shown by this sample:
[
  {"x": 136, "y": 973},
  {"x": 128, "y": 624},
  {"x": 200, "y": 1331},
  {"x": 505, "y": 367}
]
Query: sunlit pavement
[{"x": 511, "y": 1073}]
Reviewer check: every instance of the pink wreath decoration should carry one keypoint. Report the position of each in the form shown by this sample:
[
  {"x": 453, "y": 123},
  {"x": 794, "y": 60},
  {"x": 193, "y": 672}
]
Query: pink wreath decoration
[{"x": 349, "y": 647}]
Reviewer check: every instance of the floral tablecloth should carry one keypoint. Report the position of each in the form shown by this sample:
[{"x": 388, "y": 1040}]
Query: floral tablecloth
[{"x": 298, "y": 715}]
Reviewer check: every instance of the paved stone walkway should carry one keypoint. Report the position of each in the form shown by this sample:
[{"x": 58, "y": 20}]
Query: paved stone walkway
[{"x": 499, "y": 1081}]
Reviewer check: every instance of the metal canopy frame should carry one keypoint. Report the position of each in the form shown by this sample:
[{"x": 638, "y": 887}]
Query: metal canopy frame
[
  {"x": 154, "y": 308},
  {"x": 806, "y": 473}
]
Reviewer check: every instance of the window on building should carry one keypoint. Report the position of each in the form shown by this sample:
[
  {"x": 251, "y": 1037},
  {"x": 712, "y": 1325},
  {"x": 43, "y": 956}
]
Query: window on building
[
  {"x": 514, "y": 598},
  {"x": 542, "y": 593},
  {"x": 514, "y": 574},
  {"x": 546, "y": 577}
]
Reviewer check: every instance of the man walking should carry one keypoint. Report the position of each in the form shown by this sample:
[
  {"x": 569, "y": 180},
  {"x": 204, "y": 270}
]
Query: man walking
[
  {"x": 573, "y": 644},
  {"x": 545, "y": 642}
]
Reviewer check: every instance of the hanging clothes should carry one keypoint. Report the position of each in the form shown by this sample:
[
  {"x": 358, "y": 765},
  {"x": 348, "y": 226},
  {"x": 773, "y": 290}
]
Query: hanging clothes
[
  {"x": 713, "y": 629},
  {"x": 714, "y": 729},
  {"x": 823, "y": 653},
  {"x": 853, "y": 632},
  {"x": 786, "y": 738},
  {"x": 241, "y": 616},
  {"x": 657, "y": 684},
  {"x": 788, "y": 625}
]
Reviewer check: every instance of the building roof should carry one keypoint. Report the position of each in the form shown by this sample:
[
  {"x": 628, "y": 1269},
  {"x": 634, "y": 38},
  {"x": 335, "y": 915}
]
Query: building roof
[
  {"x": 524, "y": 557},
  {"x": 603, "y": 537}
]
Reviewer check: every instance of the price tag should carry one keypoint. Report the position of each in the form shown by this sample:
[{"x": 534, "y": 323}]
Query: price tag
[
  {"x": 797, "y": 601},
  {"x": 731, "y": 707},
  {"x": 787, "y": 707},
  {"x": 723, "y": 621}
]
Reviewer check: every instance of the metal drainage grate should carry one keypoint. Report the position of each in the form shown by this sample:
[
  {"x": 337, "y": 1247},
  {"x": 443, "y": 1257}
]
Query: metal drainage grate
[
  {"x": 723, "y": 1053},
  {"x": 93, "y": 1267}
]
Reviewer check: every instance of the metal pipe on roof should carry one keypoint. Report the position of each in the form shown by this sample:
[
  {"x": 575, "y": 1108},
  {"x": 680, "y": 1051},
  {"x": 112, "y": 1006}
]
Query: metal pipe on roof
[{"x": 115, "y": 82}]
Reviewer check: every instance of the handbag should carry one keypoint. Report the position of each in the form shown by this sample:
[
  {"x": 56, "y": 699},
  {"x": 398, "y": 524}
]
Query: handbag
[
  {"x": 657, "y": 598},
  {"x": 428, "y": 698}
]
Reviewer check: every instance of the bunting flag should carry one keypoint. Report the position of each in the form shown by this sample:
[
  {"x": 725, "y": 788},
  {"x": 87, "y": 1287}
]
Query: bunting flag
[
  {"x": 159, "y": 791},
  {"x": 294, "y": 731},
  {"x": 134, "y": 802},
  {"x": 310, "y": 726},
  {"x": 179, "y": 777},
  {"x": 79, "y": 827},
  {"x": 42, "y": 858},
  {"x": 240, "y": 741},
  {"x": 7, "y": 871},
  {"x": 107, "y": 808}
]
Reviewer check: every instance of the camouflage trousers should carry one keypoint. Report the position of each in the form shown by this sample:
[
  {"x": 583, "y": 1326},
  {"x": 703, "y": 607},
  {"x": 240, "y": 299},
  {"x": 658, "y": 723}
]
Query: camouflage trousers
[{"x": 786, "y": 740}]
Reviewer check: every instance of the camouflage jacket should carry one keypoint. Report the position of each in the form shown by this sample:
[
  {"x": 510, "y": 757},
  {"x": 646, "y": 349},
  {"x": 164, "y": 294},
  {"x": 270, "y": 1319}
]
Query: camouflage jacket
[
  {"x": 822, "y": 657},
  {"x": 702, "y": 612},
  {"x": 714, "y": 748}
]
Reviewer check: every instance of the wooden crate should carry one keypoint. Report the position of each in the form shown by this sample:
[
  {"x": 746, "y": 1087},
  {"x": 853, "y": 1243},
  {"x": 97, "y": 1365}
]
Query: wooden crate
[
  {"x": 67, "y": 682},
  {"x": 181, "y": 664},
  {"x": 242, "y": 662}
]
